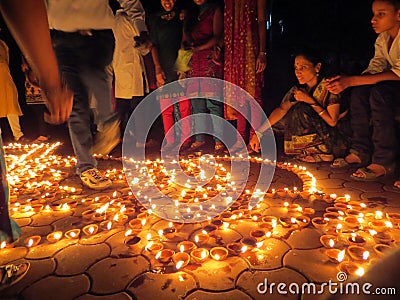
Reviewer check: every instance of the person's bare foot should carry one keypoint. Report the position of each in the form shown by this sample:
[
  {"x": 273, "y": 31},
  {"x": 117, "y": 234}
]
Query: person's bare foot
[
  {"x": 396, "y": 184},
  {"x": 352, "y": 159}
]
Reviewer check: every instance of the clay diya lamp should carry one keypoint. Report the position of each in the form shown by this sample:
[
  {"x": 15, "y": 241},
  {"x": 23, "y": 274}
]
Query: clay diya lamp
[
  {"x": 308, "y": 211},
  {"x": 248, "y": 243},
  {"x": 382, "y": 238},
  {"x": 335, "y": 210},
  {"x": 327, "y": 240},
  {"x": 98, "y": 216},
  {"x": 352, "y": 222},
  {"x": 341, "y": 206},
  {"x": 302, "y": 221},
  {"x": 72, "y": 234},
  {"x": 37, "y": 207},
  {"x": 358, "y": 253},
  {"x": 258, "y": 234},
  {"x": 135, "y": 224},
  {"x": 270, "y": 220},
  {"x": 181, "y": 260},
  {"x": 349, "y": 267},
  {"x": 378, "y": 225},
  {"x": 178, "y": 225},
  {"x": 154, "y": 247},
  {"x": 382, "y": 249},
  {"x": 90, "y": 229},
  {"x": 356, "y": 240},
  {"x": 169, "y": 233},
  {"x": 72, "y": 204},
  {"x": 133, "y": 242},
  {"x": 353, "y": 212},
  {"x": 87, "y": 201},
  {"x": 332, "y": 217},
  {"x": 32, "y": 241},
  {"x": 199, "y": 255},
  {"x": 55, "y": 206},
  {"x": 219, "y": 253},
  {"x": 234, "y": 248},
  {"x": 287, "y": 221},
  {"x": 335, "y": 255},
  {"x": 319, "y": 222},
  {"x": 186, "y": 246},
  {"x": 282, "y": 192},
  {"x": 130, "y": 212},
  {"x": 293, "y": 207},
  {"x": 394, "y": 218},
  {"x": 218, "y": 223},
  {"x": 210, "y": 229},
  {"x": 120, "y": 219},
  {"x": 356, "y": 205},
  {"x": 201, "y": 238},
  {"x": 88, "y": 214},
  {"x": 54, "y": 236}
]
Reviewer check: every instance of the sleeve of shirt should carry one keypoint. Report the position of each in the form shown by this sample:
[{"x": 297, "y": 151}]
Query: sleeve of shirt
[
  {"x": 135, "y": 12},
  {"x": 378, "y": 63},
  {"x": 396, "y": 66}
]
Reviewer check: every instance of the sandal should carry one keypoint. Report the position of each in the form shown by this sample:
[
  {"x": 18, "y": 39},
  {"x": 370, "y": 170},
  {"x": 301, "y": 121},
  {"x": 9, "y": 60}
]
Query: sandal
[
  {"x": 396, "y": 185},
  {"x": 367, "y": 174},
  {"x": 340, "y": 163},
  {"x": 316, "y": 158},
  {"x": 12, "y": 273}
]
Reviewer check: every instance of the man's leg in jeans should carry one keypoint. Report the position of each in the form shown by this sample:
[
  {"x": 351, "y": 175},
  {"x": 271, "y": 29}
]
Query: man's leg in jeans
[
  {"x": 383, "y": 98},
  {"x": 360, "y": 122}
]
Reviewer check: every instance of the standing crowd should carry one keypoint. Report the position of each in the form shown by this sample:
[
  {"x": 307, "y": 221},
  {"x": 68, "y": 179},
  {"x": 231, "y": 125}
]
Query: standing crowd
[{"x": 91, "y": 57}]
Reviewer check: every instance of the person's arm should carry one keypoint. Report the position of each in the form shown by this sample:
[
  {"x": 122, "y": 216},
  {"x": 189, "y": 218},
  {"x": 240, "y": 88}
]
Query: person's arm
[
  {"x": 262, "y": 35},
  {"x": 136, "y": 14},
  {"x": 30, "y": 29},
  {"x": 160, "y": 75},
  {"x": 218, "y": 28}
]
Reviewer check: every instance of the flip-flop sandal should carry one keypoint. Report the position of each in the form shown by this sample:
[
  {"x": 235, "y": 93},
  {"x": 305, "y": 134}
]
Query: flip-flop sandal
[
  {"x": 396, "y": 185},
  {"x": 12, "y": 273},
  {"x": 369, "y": 175}
]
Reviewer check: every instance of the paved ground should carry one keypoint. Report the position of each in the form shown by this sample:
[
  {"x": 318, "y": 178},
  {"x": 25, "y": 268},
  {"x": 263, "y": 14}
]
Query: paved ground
[{"x": 104, "y": 266}]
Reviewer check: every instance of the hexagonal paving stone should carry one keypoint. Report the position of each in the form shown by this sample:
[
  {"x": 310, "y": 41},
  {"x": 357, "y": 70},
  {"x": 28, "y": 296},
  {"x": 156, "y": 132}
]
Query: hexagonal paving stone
[
  {"x": 113, "y": 275},
  {"x": 100, "y": 237},
  {"x": 253, "y": 283},
  {"x": 231, "y": 295},
  {"x": 77, "y": 258},
  {"x": 307, "y": 238},
  {"x": 11, "y": 254},
  {"x": 60, "y": 288},
  {"x": 331, "y": 183},
  {"x": 372, "y": 186},
  {"x": 47, "y": 218},
  {"x": 223, "y": 273},
  {"x": 23, "y": 221},
  {"x": 314, "y": 264},
  {"x": 29, "y": 231},
  {"x": 162, "y": 286},
  {"x": 118, "y": 296},
  {"x": 47, "y": 250}
]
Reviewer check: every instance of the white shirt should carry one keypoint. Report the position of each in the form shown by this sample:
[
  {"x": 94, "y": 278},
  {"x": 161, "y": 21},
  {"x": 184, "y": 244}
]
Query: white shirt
[
  {"x": 74, "y": 15},
  {"x": 385, "y": 59}
]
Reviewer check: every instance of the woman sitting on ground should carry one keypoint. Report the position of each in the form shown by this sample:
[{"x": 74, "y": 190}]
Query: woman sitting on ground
[{"x": 314, "y": 116}]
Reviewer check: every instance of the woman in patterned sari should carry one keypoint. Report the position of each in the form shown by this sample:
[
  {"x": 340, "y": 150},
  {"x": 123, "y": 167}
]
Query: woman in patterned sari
[{"x": 315, "y": 120}]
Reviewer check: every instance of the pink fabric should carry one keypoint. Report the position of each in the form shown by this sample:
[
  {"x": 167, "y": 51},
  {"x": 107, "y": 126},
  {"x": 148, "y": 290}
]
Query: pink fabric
[{"x": 168, "y": 118}]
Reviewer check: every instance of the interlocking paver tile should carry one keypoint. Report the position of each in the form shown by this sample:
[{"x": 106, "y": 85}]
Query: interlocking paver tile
[
  {"x": 307, "y": 238},
  {"x": 117, "y": 296},
  {"x": 10, "y": 254},
  {"x": 231, "y": 295}
]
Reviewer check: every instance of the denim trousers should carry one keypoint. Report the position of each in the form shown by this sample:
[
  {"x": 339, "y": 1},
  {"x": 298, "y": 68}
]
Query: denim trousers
[
  {"x": 372, "y": 110},
  {"x": 85, "y": 64},
  {"x": 203, "y": 106}
]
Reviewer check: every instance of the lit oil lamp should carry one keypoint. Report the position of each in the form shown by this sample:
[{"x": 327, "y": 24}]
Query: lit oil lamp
[
  {"x": 378, "y": 225},
  {"x": 72, "y": 234},
  {"x": 234, "y": 248},
  {"x": 258, "y": 234},
  {"x": 154, "y": 247},
  {"x": 394, "y": 218},
  {"x": 169, "y": 232},
  {"x": 287, "y": 221},
  {"x": 88, "y": 214},
  {"x": 133, "y": 242},
  {"x": 358, "y": 253},
  {"x": 355, "y": 239},
  {"x": 210, "y": 229},
  {"x": 199, "y": 255},
  {"x": 335, "y": 255},
  {"x": 348, "y": 267},
  {"x": 218, "y": 223},
  {"x": 308, "y": 211},
  {"x": 37, "y": 207},
  {"x": 352, "y": 222},
  {"x": 226, "y": 216},
  {"x": 90, "y": 229},
  {"x": 201, "y": 238},
  {"x": 327, "y": 240},
  {"x": 54, "y": 236},
  {"x": 332, "y": 217},
  {"x": 248, "y": 242},
  {"x": 186, "y": 246},
  {"x": 219, "y": 253},
  {"x": 181, "y": 260},
  {"x": 165, "y": 255},
  {"x": 32, "y": 241},
  {"x": 302, "y": 221},
  {"x": 319, "y": 223},
  {"x": 382, "y": 237},
  {"x": 135, "y": 224}
]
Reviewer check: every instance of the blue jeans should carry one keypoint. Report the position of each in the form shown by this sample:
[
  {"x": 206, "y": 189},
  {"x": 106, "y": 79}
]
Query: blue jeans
[
  {"x": 372, "y": 121},
  {"x": 85, "y": 64}
]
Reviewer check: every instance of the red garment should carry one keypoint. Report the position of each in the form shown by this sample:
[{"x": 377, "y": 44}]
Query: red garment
[
  {"x": 241, "y": 40},
  {"x": 201, "y": 63},
  {"x": 167, "y": 109}
]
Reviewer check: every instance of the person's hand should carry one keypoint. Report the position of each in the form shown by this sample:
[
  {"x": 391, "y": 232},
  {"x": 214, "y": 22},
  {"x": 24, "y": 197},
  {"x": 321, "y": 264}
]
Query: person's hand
[
  {"x": 160, "y": 77},
  {"x": 261, "y": 62},
  {"x": 301, "y": 95},
  {"x": 142, "y": 42},
  {"x": 59, "y": 104},
  {"x": 255, "y": 143},
  {"x": 337, "y": 84},
  {"x": 218, "y": 56}
]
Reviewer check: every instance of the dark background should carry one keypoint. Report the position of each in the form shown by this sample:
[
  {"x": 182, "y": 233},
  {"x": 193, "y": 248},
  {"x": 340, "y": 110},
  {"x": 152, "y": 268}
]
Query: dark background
[{"x": 341, "y": 29}]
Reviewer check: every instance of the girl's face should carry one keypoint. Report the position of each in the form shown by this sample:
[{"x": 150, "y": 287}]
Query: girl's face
[
  {"x": 385, "y": 17},
  {"x": 305, "y": 71},
  {"x": 168, "y": 5},
  {"x": 200, "y": 2}
]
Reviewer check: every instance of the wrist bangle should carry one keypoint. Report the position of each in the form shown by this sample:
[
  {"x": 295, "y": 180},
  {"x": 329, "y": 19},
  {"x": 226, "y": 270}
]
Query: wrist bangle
[{"x": 321, "y": 112}]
